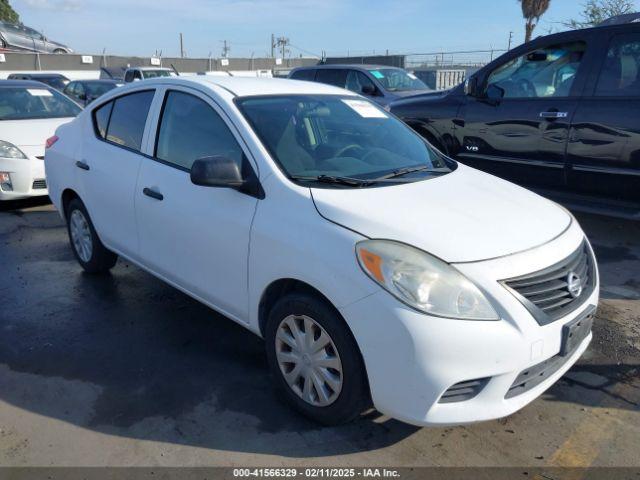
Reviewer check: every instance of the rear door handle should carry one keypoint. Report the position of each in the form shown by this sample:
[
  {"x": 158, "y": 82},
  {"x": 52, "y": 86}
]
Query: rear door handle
[
  {"x": 552, "y": 115},
  {"x": 153, "y": 194},
  {"x": 83, "y": 165}
]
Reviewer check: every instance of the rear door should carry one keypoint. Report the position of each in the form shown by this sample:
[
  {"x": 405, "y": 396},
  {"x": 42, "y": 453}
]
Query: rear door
[
  {"x": 109, "y": 166},
  {"x": 604, "y": 150},
  {"x": 518, "y": 127},
  {"x": 332, "y": 76}
]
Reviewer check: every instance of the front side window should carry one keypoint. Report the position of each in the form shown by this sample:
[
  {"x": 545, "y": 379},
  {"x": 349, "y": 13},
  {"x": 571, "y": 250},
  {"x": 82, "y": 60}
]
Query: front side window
[
  {"x": 19, "y": 103},
  {"x": 547, "y": 72},
  {"x": 128, "y": 118},
  {"x": 313, "y": 137},
  {"x": 190, "y": 129},
  {"x": 397, "y": 80},
  {"x": 356, "y": 81},
  {"x": 620, "y": 74}
]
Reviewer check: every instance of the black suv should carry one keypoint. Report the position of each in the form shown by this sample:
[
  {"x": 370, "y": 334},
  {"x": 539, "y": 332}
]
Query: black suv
[{"x": 560, "y": 114}]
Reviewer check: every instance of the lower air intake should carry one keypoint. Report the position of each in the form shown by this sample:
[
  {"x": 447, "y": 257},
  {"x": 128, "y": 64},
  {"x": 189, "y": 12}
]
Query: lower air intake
[{"x": 463, "y": 391}]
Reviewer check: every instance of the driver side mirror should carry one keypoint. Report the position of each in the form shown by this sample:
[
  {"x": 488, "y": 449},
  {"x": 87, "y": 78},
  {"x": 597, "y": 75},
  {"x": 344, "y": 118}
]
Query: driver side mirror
[
  {"x": 368, "y": 90},
  {"x": 494, "y": 94},
  {"x": 223, "y": 172}
]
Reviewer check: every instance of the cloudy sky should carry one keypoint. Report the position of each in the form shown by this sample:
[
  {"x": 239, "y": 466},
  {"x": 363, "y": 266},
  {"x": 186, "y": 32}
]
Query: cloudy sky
[{"x": 141, "y": 27}]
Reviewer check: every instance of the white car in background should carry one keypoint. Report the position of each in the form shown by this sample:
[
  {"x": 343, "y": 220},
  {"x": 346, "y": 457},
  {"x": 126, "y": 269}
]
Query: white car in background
[
  {"x": 30, "y": 112},
  {"x": 376, "y": 269}
]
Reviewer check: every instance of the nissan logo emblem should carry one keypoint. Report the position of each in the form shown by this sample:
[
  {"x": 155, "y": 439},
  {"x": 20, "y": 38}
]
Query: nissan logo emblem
[{"x": 574, "y": 284}]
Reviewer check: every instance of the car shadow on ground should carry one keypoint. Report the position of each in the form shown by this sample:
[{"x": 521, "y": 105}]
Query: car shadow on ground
[{"x": 125, "y": 354}]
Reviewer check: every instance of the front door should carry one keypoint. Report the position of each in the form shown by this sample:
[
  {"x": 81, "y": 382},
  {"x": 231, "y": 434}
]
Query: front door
[
  {"x": 517, "y": 127},
  {"x": 196, "y": 237},
  {"x": 604, "y": 149}
]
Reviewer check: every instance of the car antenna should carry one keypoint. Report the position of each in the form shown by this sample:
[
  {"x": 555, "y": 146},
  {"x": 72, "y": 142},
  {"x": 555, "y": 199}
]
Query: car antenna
[{"x": 175, "y": 70}]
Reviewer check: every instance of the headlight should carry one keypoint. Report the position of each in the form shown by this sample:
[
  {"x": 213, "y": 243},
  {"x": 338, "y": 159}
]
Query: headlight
[
  {"x": 9, "y": 150},
  {"x": 423, "y": 281}
]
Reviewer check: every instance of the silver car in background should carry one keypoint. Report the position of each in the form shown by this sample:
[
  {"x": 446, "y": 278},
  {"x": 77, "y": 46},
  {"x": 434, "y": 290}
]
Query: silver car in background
[{"x": 20, "y": 37}]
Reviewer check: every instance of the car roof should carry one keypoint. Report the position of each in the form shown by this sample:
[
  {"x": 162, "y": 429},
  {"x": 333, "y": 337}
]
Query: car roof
[
  {"x": 358, "y": 66},
  {"x": 40, "y": 75},
  {"x": 23, "y": 84},
  {"x": 249, "y": 86},
  {"x": 149, "y": 68}
]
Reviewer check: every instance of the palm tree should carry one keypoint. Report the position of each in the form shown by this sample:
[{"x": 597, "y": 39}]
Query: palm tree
[{"x": 532, "y": 10}]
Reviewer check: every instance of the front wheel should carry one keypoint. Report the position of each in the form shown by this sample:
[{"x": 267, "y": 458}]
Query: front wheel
[
  {"x": 91, "y": 254},
  {"x": 315, "y": 360}
]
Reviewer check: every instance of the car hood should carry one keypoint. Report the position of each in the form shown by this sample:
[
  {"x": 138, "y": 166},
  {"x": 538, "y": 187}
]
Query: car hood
[
  {"x": 30, "y": 133},
  {"x": 463, "y": 216}
]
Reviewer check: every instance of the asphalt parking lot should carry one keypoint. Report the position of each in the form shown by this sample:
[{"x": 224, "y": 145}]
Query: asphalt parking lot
[{"x": 125, "y": 370}]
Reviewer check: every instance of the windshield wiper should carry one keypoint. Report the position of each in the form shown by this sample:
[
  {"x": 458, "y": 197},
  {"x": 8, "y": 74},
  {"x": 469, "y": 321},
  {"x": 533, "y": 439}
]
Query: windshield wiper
[
  {"x": 352, "y": 182},
  {"x": 407, "y": 170}
]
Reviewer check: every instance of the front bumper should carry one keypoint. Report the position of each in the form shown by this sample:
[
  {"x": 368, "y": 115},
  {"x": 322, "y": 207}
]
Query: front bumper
[
  {"x": 413, "y": 358},
  {"x": 27, "y": 177}
]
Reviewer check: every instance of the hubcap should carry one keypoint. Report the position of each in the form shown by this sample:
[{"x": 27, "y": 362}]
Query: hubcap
[
  {"x": 309, "y": 360},
  {"x": 81, "y": 235}
]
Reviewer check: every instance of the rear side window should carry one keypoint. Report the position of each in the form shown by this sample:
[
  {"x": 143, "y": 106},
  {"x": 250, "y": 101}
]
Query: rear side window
[
  {"x": 620, "y": 74},
  {"x": 304, "y": 75},
  {"x": 101, "y": 119},
  {"x": 332, "y": 76},
  {"x": 190, "y": 129},
  {"x": 128, "y": 118}
]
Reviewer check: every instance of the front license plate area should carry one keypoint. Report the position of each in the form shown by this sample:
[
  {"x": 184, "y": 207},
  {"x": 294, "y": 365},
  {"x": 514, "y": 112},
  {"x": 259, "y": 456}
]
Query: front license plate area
[{"x": 574, "y": 332}]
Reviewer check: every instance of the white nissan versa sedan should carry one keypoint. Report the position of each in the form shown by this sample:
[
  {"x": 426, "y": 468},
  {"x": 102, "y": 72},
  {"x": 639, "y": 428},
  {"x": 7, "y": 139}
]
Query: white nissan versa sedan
[
  {"x": 376, "y": 269},
  {"x": 29, "y": 114}
]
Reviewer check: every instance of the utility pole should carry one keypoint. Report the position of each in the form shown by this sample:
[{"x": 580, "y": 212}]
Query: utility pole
[
  {"x": 510, "y": 39},
  {"x": 273, "y": 45},
  {"x": 181, "y": 47},
  {"x": 282, "y": 43},
  {"x": 226, "y": 48}
]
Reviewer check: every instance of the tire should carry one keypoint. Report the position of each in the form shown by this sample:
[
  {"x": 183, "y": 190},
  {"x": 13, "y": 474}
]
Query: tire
[
  {"x": 3, "y": 44},
  {"x": 91, "y": 254},
  {"x": 351, "y": 394}
]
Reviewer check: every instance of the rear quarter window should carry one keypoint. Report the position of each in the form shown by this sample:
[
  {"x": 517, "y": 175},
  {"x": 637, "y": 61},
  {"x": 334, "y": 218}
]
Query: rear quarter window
[{"x": 304, "y": 75}]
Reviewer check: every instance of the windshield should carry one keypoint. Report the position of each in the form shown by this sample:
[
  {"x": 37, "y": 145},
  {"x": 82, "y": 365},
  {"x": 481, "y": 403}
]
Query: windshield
[
  {"x": 158, "y": 73},
  {"x": 19, "y": 103},
  {"x": 313, "y": 137},
  {"x": 397, "y": 80}
]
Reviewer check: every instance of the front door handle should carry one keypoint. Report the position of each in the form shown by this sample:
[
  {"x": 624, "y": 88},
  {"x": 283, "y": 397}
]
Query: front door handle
[
  {"x": 153, "y": 194},
  {"x": 552, "y": 115},
  {"x": 82, "y": 165}
]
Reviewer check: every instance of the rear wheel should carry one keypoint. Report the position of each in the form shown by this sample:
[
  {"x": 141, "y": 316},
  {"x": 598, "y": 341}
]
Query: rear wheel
[
  {"x": 315, "y": 360},
  {"x": 3, "y": 44},
  {"x": 92, "y": 255}
]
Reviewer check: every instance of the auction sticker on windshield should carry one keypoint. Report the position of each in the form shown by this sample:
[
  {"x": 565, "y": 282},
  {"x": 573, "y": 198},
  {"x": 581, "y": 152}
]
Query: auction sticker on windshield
[
  {"x": 365, "y": 109},
  {"x": 40, "y": 92}
]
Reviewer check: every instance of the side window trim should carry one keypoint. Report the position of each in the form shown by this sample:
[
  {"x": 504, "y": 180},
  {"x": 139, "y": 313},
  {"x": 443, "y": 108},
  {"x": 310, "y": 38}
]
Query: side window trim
[{"x": 113, "y": 100}]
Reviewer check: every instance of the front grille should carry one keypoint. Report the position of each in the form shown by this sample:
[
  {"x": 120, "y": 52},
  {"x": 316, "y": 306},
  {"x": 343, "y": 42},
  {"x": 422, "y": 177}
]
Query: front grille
[
  {"x": 463, "y": 391},
  {"x": 535, "y": 375},
  {"x": 552, "y": 293},
  {"x": 39, "y": 184}
]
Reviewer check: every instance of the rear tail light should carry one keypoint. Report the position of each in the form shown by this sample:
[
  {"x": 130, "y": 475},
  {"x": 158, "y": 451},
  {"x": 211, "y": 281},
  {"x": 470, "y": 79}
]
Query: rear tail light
[{"x": 51, "y": 141}]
